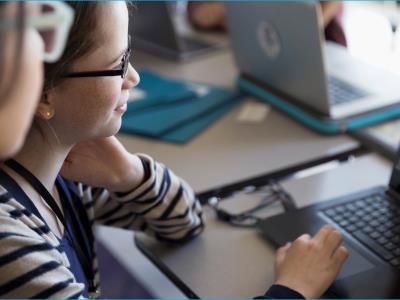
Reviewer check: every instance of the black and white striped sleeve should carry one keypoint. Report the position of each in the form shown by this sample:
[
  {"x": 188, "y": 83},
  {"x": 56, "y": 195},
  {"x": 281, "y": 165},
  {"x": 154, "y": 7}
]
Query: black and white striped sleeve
[
  {"x": 31, "y": 267},
  {"x": 164, "y": 205}
]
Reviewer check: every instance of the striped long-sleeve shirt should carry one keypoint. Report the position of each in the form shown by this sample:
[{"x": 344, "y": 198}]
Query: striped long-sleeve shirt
[{"x": 32, "y": 263}]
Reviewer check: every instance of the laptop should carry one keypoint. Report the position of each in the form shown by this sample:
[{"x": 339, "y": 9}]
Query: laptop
[
  {"x": 281, "y": 45},
  {"x": 370, "y": 223},
  {"x": 155, "y": 30}
]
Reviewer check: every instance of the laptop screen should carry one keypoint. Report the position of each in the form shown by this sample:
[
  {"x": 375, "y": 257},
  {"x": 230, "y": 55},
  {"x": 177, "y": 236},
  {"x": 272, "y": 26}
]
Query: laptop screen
[
  {"x": 395, "y": 178},
  {"x": 152, "y": 24}
]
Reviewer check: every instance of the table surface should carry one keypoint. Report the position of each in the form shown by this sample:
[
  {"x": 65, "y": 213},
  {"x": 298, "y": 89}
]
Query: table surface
[
  {"x": 235, "y": 262},
  {"x": 231, "y": 150}
]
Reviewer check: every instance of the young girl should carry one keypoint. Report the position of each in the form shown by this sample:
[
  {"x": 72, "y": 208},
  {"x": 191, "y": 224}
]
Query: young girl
[{"x": 46, "y": 221}]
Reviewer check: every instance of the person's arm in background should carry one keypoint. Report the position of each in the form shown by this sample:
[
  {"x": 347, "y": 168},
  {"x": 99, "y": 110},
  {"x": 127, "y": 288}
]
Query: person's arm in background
[
  {"x": 206, "y": 15},
  {"x": 330, "y": 10},
  {"x": 211, "y": 15},
  {"x": 332, "y": 21}
]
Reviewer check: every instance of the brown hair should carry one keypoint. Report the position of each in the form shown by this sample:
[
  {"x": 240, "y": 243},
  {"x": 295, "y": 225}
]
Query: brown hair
[
  {"x": 7, "y": 82},
  {"x": 81, "y": 41}
]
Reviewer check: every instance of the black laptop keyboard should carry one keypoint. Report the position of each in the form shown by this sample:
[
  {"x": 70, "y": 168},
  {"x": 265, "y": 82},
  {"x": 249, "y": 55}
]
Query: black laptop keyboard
[
  {"x": 342, "y": 92},
  {"x": 372, "y": 220}
]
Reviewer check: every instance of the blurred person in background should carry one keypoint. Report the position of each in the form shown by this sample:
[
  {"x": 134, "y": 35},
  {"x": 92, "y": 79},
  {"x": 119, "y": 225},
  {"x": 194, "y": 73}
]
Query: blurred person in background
[
  {"x": 211, "y": 16},
  {"x": 29, "y": 33}
]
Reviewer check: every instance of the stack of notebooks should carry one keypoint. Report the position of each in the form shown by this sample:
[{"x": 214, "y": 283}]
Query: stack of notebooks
[{"x": 175, "y": 111}]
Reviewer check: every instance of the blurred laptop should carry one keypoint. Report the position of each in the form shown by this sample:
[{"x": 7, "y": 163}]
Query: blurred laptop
[
  {"x": 154, "y": 30},
  {"x": 281, "y": 45}
]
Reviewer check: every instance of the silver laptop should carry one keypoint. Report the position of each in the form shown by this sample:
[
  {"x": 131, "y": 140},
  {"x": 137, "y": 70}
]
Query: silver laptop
[{"x": 281, "y": 44}]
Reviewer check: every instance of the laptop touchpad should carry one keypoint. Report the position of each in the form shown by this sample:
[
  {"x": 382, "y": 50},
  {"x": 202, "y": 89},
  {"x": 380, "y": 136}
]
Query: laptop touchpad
[{"x": 355, "y": 263}]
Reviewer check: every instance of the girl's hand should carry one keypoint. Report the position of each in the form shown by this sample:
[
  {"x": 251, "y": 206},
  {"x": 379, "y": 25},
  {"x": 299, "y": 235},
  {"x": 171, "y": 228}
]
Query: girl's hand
[
  {"x": 310, "y": 265},
  {"x": 103, "y": 163}
]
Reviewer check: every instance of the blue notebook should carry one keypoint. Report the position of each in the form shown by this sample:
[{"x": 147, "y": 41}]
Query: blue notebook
[
  {"x": 177, "y": 119},
  {"x": 190, "y": 130},
  {"x": 154, "y": 90}
]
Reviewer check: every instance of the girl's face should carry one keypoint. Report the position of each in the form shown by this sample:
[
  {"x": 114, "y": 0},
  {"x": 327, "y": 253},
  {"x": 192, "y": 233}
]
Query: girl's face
[
  {"x": 87, "y": 108},
  {"x": 17, "y": 110}
]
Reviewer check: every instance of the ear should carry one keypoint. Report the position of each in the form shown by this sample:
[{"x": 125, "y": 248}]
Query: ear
[{"x": 45, "y": 109}]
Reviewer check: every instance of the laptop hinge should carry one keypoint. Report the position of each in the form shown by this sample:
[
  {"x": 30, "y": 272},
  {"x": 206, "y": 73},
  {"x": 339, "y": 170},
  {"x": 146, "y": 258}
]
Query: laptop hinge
[{"x": 393, "y": 193}]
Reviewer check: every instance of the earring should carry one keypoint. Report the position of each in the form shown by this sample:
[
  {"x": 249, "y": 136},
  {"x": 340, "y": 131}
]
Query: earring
[{"x": 48, "y": 115}]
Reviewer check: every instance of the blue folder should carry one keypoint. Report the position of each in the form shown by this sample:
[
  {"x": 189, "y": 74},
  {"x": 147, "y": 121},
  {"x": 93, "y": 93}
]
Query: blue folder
[
  {"x": 186, "y": 111},
  {"x": 158, "y": 90},
  {"x": 187, "y": 132}
]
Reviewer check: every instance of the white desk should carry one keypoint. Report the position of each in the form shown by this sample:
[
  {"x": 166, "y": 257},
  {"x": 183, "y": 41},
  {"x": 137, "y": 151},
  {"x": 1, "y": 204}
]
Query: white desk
[
  {"x": 227, "y": 262},
  {"x": 230, "y": 150}
]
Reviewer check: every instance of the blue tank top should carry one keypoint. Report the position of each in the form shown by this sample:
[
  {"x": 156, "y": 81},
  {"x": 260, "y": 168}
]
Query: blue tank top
[{"x": 66, "y": 245}]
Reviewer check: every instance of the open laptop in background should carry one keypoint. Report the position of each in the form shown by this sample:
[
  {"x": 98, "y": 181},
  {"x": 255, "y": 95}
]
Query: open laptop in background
[
  {"x": 281, "y": 45},
  {"x": 154, "y": 30}
]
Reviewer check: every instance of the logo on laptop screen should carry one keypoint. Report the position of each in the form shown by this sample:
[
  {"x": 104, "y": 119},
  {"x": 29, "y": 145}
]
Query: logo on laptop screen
[{"x": 269, "y": 39}]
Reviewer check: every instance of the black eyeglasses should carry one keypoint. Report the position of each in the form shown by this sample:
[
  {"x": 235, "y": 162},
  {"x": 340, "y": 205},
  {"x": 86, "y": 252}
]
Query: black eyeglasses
[{"x": 121, "y": 71}]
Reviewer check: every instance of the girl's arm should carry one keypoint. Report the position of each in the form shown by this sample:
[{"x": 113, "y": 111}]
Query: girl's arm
[{"x": 136, "y": 192}]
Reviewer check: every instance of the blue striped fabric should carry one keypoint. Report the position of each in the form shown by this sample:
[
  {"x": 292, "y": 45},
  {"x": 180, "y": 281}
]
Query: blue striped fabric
[{"x": 32, "y": 264}]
